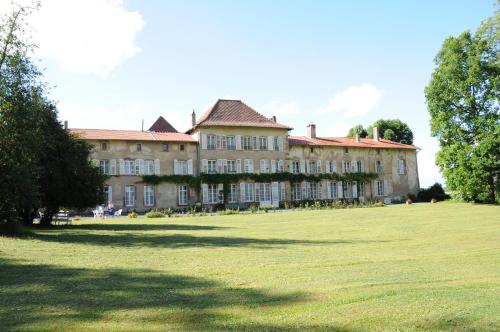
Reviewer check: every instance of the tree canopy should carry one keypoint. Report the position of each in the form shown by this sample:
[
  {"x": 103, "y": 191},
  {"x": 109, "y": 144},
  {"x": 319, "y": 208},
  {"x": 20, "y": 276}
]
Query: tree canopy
[
  {"x": 463, "y": 103},
  {"x": 393, "y": 129},
  {"x": 357, "y": 129},
  {"x": 42, "y": 165}
]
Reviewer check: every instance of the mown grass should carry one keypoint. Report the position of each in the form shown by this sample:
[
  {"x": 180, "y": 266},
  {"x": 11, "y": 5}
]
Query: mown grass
[{"x": 415, "y": 268}]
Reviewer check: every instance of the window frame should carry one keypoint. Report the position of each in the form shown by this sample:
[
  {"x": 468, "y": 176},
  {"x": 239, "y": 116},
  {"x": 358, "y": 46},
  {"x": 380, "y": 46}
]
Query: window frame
[
  {"x": 182, "y": 195},
  {"x": 129, "y": 194}
]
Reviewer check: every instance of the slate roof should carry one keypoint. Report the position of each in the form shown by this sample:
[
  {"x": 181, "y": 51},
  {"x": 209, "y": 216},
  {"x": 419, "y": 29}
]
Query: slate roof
[
  {"x": 130, "y": 135},
  {"x": 162, "y": 126},
  {"x": 348, "y": 142},
  {"x": 235, "y": 113}
]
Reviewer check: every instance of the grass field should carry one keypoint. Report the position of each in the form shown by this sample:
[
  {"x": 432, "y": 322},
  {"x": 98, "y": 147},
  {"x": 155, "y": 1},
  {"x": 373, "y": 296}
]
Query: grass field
[{"x": 416, "y": 268}]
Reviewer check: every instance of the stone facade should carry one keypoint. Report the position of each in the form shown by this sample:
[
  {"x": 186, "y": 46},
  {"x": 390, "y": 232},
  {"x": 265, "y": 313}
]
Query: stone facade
[{"x": 225, "y": 146}]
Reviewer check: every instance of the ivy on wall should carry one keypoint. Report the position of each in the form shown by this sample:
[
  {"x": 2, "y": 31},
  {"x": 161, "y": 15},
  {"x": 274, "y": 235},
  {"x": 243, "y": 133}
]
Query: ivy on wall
[{"x": 196, "y": 181}]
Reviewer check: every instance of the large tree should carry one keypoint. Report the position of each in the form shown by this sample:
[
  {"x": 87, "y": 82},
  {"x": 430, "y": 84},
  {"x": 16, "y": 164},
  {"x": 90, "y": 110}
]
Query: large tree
[
  {"x": 357, "y": 130},
  {"x": 41, "y": 164},
  {"x": 463, "y": 102},
  {"x": 392, "y": 129}
]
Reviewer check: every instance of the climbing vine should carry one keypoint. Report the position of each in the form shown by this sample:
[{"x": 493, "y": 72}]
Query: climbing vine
[{"x": 196, "y": 181}]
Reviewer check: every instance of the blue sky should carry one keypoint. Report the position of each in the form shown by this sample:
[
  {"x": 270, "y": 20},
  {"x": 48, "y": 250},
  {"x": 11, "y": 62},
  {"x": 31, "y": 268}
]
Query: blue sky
[{"x": 333, "y": 63}]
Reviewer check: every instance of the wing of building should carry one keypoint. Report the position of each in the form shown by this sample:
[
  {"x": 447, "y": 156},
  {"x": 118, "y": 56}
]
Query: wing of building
[{"x": 233, "y": 138}]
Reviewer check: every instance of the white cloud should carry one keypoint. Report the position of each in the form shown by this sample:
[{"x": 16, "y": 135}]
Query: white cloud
[
  {"x": 276, "y": 108},
  {"x": 129, "y": 118},
  {"x": 90, "y": 36},
  {"x": 354, "y": 101},
  {"x": 340, "y": 129}
]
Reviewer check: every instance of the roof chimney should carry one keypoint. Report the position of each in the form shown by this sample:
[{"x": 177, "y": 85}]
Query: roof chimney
[
  {"x": 311, "y": 130},
  {"x": 273, "y": 118},
  {"x": 375, "y": 134},
  {"x": 357, "y": 138},
  {"x": 193, "y": 118},
  {"x": 66, "y": 125}
]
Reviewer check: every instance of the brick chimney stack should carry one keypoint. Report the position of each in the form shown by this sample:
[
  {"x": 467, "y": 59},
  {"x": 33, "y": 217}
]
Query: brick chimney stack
[
  {"x": 375, "y": 134},
  {"x": 311, "y": 130},
  {"x": 357, "y": 138},
  {"x": 273, "y": 118},
  {"x": 193, "y": 118}
]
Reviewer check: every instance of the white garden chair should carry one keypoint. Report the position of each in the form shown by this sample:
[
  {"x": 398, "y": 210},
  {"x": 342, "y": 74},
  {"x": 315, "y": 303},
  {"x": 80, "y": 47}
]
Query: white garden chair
[{"x": 118, "y": 213}]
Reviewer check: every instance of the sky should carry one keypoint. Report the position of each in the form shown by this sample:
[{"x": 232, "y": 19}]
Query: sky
[{"x": 111, "y": 63}]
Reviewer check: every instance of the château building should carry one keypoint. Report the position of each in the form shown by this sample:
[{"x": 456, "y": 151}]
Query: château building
[{"x": 233, "y": 138}]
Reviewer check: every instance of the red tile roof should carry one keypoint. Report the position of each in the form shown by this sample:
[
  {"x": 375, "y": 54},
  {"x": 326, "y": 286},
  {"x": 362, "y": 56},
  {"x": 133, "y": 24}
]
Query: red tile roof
[
  {"x": 130, "y": 135},
  {"x": 235, "y": 113},
  {"x": 348, "y": 142}
]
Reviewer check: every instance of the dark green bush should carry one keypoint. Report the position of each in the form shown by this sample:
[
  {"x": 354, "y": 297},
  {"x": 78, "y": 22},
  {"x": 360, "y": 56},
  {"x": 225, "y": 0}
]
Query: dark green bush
[{"x": 435, "y": 191}]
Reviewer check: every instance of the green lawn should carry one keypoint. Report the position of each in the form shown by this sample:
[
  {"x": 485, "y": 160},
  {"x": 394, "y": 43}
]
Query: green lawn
[{"x": 416, "y": 268}]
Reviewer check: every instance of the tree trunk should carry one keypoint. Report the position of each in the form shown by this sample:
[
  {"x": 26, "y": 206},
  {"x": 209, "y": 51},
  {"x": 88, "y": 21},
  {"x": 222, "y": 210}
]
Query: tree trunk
[
  {"x": 47, "y": 217},
  {"x": 27, "y": 216}
]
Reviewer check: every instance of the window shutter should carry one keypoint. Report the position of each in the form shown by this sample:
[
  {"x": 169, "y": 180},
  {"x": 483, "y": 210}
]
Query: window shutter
[
  {"x": 121, "y": 164},
  {"x": 176, "y": 167},
  {"x": 204, "y": 141},
  {"x": 204, "y": 192},
  {"x": 141, "y": 166},
  {"x": 302, "y": 166},
  {"x": 242, "y": 192},
  {"x": 354, "y": 189},
  {"x": 374, "y": 188},
  {"x": 250, "y": 165},
  {"x": 386, "y": 188},
  {"x": 340, "y": 190},
  {"x": 270, "y": 143},
  {"x": 334, "y": 166},
  {"x": 273, "y": 166},
  {"x": 329, "y": 189},
  {"x": 238, "y": 165},
  {"x": 280, "y": 143},
  {"x": 157, "y": 167},
  {"x": 190, "y": 166},
  {"x": 238, "y": 142},
  {"x": 112, "y": 166},
  {"x": 110, "y": 194},
  {"x": 220, "y": 187},
  {"x": 318, "y": 166},
  {"x": 262, "y": 165},
  {"x": 204, "y": 165},
  {"x": 353, "y": 166}
]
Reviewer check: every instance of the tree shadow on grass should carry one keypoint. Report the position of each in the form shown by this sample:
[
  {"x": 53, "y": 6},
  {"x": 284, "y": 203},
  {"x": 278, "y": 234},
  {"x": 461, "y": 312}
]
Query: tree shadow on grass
[
  {"x": 178, "y": 240},
  {"x": 140, "y": 227},
  {"x": 46, "y": 296}
]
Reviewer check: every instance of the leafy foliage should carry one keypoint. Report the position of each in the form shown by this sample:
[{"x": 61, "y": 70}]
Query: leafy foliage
[
  {"x": 41, "y": 164},
  {"x": 462, "y": 99},
  {"x": 435, "y": 191},
  {"x": 392, "y": 129},
  {"x": 358, "y": 129}
]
